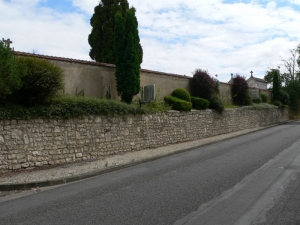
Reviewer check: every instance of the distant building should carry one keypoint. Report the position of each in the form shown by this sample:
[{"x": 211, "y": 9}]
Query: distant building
[
  {"x": 257, "y": 83},
  {"x": 254, "y": 82}
]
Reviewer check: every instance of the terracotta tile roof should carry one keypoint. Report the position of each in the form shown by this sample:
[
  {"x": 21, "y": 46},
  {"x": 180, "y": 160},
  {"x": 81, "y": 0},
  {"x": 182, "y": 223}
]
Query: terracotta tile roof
[{"x": 92, "y": 63}]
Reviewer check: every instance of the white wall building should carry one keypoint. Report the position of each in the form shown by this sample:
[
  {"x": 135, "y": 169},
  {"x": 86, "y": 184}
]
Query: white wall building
[{"x": 255, "y": 82}]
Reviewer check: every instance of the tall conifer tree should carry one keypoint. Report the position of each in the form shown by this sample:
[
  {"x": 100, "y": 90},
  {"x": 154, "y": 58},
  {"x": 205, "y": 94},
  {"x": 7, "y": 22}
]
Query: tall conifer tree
[
  {"x": 276, "y": 85},
  {"x": 127, "y": 46},
  {"x": 101, "y": 38},
  {"x": 119, "y": 50}
]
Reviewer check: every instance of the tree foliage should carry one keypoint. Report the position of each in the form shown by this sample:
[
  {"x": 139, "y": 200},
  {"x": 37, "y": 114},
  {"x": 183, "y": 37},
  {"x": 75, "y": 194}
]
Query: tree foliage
[
  {"x": 290, "y": 65},
  {"x": 127, "y": 44},
  {"x": 202, "y": 84},
  {"x": 293, "y": 90},
  {"x": 290, "y": 70},
  {"x": 239, "y": 90},
  {"x": 41, "y": 80},
  {"x": 276, "y": 85},
  {"x": 9, "y": 73},
  {"x": 101, "y": 38},
  {"x": 269, "y": 77},
  {"x": 284, "y": 97},
  {"x": 119, "y": 50}
]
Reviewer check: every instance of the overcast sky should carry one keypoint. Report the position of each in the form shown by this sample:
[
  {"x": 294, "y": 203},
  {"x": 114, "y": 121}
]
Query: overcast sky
[{"x": 220, "y": 36}]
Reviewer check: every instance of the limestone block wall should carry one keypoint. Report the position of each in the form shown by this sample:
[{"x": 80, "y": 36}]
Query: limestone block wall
[{"x": 34, "y": 143}]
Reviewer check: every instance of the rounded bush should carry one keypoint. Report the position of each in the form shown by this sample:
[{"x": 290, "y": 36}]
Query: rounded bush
[
  {"x": 202, "y": 85},
  {"x": 264, "y": 97},
  {"x": 239, "y": 90},
  {"x": 181, "y": 93},
  {"x": 277, "y": 103},
  {"x": 284, "y": 97},
  {"x": 178, "y": 104},
  {"x": 258, "y": 100},
  {"x": 293, "y": 89},
  {"x": 41, "y": 80},
  {"x": 216, "y": 104},
  {"x": 199, "y": 103},
  {"x": 248, "y": 100}
]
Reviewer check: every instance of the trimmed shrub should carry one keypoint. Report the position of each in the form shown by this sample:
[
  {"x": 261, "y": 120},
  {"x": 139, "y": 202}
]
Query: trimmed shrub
[
  {"x": 199, "y": 103},
  {"x": 9, "y": 74},
  {"x": 258, "y": 100},
  {"x": 202, "y": 85},
  {"x": 41, "y": 81},
  {"x": 264, "y": 97},
  {"x": 239, "y": 90},
  {"x": 248, "y": 100},
  {"x": 277, "y": 103},
  {"x": 181, "y": 93},
  {"x": 178, "y": 104},
  {"x": 284, "y": 97},
  {"x": 216, "y": 104},
  {"x": 293, "y": 89}
]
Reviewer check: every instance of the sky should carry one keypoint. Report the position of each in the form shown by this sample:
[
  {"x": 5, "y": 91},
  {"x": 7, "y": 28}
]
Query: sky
[{"x": 223, "y": 37}]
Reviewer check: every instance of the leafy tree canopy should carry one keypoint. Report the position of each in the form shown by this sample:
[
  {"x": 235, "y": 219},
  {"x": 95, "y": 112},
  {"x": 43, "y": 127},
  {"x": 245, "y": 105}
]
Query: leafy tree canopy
[
  {"x": 239, "y": 90},
  {"x": 10, "y": 79},
  {"x": 203, "y": 85},
  {"x": 290, "y": 71}
]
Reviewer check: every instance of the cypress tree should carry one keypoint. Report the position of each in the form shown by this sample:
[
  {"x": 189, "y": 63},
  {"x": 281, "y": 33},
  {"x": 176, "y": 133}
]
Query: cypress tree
[
  {"x": 101, "y": 38},
  {"x": 119, "y": 50},
  {"x": 127, "y": 46},
  {"x": 276, "y": 85}
]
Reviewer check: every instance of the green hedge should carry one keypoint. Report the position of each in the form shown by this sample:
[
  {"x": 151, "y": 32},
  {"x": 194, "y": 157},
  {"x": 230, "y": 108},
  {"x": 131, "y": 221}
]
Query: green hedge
[
  {"x": 284, "y": 97},
  {"x": 199, "y": 103},
  {"x": 264, "y": 98},
  {"x": 216, "y": 104},
  {"x": 69, "y": 107},
  {"x": 178, "y": 104},
  {"x": 258, "y": 100}
]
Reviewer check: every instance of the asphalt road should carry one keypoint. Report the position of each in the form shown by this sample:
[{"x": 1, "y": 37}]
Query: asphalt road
[{"x": 238, "y": 181}]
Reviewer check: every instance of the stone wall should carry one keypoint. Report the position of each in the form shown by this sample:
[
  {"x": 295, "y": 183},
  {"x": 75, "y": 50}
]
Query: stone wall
[{"x": 34, "y": 143}]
